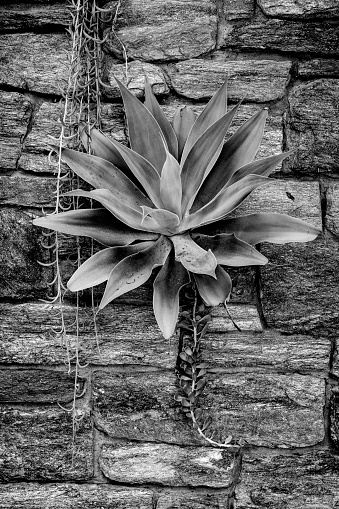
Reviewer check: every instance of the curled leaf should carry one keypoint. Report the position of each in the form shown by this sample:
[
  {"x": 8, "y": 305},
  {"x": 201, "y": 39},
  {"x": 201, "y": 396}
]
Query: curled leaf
[
  {"x": 193, "y": 257},
  {"x": 214, "y": 291}
]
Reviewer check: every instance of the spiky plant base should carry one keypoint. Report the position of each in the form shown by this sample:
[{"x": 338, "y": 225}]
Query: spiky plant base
[{"x": 192, "y": 372}]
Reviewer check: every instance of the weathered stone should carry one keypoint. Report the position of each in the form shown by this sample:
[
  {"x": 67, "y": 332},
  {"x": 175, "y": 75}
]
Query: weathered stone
[
  {"x": 34, "y": 62},
  {"x": 292, "y": 480},
  {"x": 18, "y": 16},
  {"x": 299, "y": 286},
  {"x": 36, "y": 385},
  {"x": 15, "y": 113},
  {"x": 295, "y": 9},
  {"x": 246, "y": 317},
  {"x": 334, "y": 415},
  {"x": 332, "y": 208},
  {"x": 257, "y": 80},
  {"x": 319, "y": 38},
  {"x": 167, "y": 465},
  {"x": 27, "y": 191},
  {"x": 151, "y": 30},
  {"x": 127, "y": 334},
  {"x": 313, "y": 129},
  {"x": 318, "y": 68},
  {"x": 21, "y": 276},
  {"x": 234, "y": 10},
  {"x": 271, "y": 410},
  {"x": 189, "y": 500},
  {"x": 135, "y": 79},
  {"x": 36, "y": 445},
  {"x": 73, "y": 496}
]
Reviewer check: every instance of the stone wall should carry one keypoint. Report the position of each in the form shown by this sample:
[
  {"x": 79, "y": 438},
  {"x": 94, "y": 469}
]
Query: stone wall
[{"x": 276, "y": 383}]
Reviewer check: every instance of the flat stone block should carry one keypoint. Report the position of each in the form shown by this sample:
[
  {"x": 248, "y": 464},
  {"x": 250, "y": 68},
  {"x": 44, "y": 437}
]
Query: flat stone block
[
  {"x": 189, "y": 500},
  {"x": 21, "y": 276},
  {"x": 27, "y": 191},
  {"x": 334, "y": 414},
  {"x": 265, "y": 409},
  {"x": 135, "y": 80},
  {"x": 319, "y": 38},
  {"x": 318, "y": 68},
  {"x": 18, "y": 16},
  {"x": 292, "y": 480},
  {"x": 234, "y": 10},
  {"x": 332, "y": 207},
  {"x": 245, "y": 316},
  {"x": 34, "y": 62},
  {"x": 295, "y": 9},
  {"x": 15, "y": 113},
  {"x": 167, "y": 465},
  {"x": 37, "y": 386},
  {"x": 153, "y": 31},
  {"x": 36, "y": 445},
  {"x": 73, "y": 496},
  {"x": 257, "y": 80},
  {"x": 313, "y": 129}
]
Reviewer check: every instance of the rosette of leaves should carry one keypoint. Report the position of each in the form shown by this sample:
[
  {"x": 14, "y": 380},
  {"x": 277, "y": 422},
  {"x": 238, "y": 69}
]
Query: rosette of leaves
[{"x": 155, "y": 196}]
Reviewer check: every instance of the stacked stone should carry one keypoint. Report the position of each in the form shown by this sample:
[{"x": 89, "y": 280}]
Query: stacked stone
[{"x": 275, "y": 384}]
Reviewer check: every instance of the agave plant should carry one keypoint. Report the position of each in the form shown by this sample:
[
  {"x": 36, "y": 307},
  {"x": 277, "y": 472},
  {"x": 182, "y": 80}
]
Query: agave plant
[{"x": 155, "y": 196}]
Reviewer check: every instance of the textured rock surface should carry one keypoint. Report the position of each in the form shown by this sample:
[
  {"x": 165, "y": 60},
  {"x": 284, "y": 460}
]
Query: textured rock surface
[
  {"x": 318, "y": 67},
  {"x": 167, "y": 465},
  {"x": 73, "y": 496},
  {"x": 33, "y": 62},
  {"x": 36, "y": 444},
  {"x": 294, "y": 8},
  {"x": 264, "y": 409},
  {"x": 151, "y": 30},
  {"x": 189, "y": 500},
  {"x": 234, "y": 10},
  {"x": 290, "y": 480},
  {"x": 286, "y": 36},
  {"x": 312, "y": 127},
  {"x": 27, "y": 191},
  {"x": 257, "y": 80},
  {"x": 20, "y": 16},
  {"x": 332, "y": 208}
]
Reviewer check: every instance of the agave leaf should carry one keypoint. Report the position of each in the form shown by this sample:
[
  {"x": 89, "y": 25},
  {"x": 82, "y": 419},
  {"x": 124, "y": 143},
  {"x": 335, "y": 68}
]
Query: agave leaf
[
  {"x": 101, "y": 146},
  {"x": 120, "y": 210},
  {"x": 193, "y": 257},
  {"x": 143, "y": 170},
  {"x": 214, "y": 291},
  {"x": 214, "y": 109},
  {"x": 145, "y": 135},
  {"x": 104, "y": 175},
  {"x": 238, "y": 151},
  {"x": 167, "y": 220},
  {"x": 226, "y": 201},
  {"x": 99, "y": 224},
  {"x": 98, "y": 267},
  {"x": 135, "y": 270},
  {"x": 171, "y": 278},
  {"x": 170, "y": 185},
  {"x": 263, "y": 167},
  {"x": 230, "y": 251},
  {"x": 199, "y": 158},
  {"x": 183, "y": 121},
  {"x": 153, "y": 106},
  {"x": 266, "y": 227}
]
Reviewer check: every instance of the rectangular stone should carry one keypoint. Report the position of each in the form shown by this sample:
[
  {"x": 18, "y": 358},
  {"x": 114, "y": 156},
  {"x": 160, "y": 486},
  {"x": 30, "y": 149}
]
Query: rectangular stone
[
  {"x": 74, "y": 496},
  {"x": 27, "y": 191},
  {"x": 19, "y": 16},
  {"x": 318, "y": 68},
  {"x": 332, "y": 207},
  {"x": 265, "y": 409},
  {"x": 313, "y": 129},
  {"x": 152, "y": 30},
  {"x": 34, "y": 62},
  {"x": 37, "y": 386},
  {"x": 305, "y": 480},
  {"x": 234, "y": 10},
  {"x": 167, "y": 465},
  {"x": 36, "y": 445},
  {"x": 320, "y": 9},
  {"x": 257, "y": 80},
  {"x": 189, "y": 500}
]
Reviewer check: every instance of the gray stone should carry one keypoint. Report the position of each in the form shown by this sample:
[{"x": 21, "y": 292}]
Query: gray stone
[
  {"x": 19, "y": 16},
  {"x": 332, "y": 207},
  {"x": 318, "y": 68},
  {"x": 189, "y": 500},
  {"x": 334, "y": 414},
  {"x": 234, "y": 10},
  {"x": 265, "y": 409},
  {"x": 27, "y": 191},
  {"x": 21, "y": 276},
  {"x": 34, "y": 62},
  {"x": 36, "y": 445},
  {"x": 292, "y": 480},
  {"x": 256, "y": 80},
  {"x": 73, "y": 496},
  {"x": 15, "y": 114},
  {"x": 135, "y": 79},
  {"x": 313, "y": 129},
  {"x": 151, "y": 30},
  {"x": 320, "y": 38},
  {"x": 167, "y": 465},
  {"x": 296, "y": 9}
]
